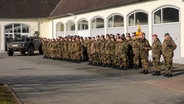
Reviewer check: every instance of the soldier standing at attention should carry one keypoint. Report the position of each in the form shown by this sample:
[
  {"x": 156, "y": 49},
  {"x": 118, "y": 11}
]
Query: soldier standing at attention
[
  {"x": 156, "y": 54},
  {"x": 89, "y": 50},
  {"x": 107, "y": 52},
  {"x": 112, "y": 52},
  {"x": 135, "y": 49},
  {"x": 93, "y": 50},
  {"x": 144, "y": 49},
  {"x": 85, "y": 49},
  {"x": 102, "y": 50},
  {"x": 168, "y": 48},
  {"x": 97, "y": 50},
  {"x": 130, "y": 52},
  {"x": 122, "y": 51}
]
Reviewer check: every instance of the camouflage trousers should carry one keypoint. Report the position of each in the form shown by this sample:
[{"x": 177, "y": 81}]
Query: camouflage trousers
[
  {"x": 123, "y": 60},
  {"x": 109, "y": 58},
  {"x": 136, "y": 59},
  {"x": 168, "y": 62},
  {"x": 145, "y": 62},
  {"x": 65, "y": 55},
  {"x": 77, "y": 55},
  {"x": 96, "y": 57},
  {"x": 156, "y": 64},
  {"x": 115, "y": 60}
]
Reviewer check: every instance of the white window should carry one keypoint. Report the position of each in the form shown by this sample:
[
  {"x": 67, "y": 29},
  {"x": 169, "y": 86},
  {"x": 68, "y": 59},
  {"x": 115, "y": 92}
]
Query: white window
[
  {"x": 70, "y": 26},
  {"x": 59, "y": 27},
  {"x": 166, "y": 15},
  {"x": 83, "y": 25},
  {"x": 97, "y": 23},
  {"x": 116, "y": 21},
  {"x": 138, "y": 16},
  {"x": 16, "y": 29}
]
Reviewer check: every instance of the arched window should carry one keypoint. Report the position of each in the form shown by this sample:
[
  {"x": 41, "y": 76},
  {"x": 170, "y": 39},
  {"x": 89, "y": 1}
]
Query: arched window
[
  {"x": 97, "y": 23},
  {"x": 116, "y": 21},
  {"x": 138, "y": 16},
  {"x": 83, "y": 25},
  {"x": 166, "y": 15},
  {"x": 59, "y": 27},
  {"x": 70, "y": 26}
]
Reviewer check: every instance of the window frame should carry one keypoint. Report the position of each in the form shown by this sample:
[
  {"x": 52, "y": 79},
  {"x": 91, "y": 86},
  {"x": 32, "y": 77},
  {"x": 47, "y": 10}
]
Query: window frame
[
  {"x": 134, "y": 14},
  {"x": 95, "y": 20},
  {"x": 113, "y": 21},
  {"x": 81, "y": 21},
  {"x": 162, "y": 17}
]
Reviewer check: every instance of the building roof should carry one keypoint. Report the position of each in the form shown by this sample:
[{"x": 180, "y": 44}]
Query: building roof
[
  {"x": 26, "y": 8},
  {"x": 66, "y": 7}
]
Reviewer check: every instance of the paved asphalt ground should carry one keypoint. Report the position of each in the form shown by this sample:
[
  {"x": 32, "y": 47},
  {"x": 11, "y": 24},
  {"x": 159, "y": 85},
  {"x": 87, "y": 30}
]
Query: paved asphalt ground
[{"x": 42, "y": 81}]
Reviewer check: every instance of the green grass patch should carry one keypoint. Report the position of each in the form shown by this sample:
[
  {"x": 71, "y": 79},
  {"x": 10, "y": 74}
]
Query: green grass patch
[{"x": 6, "y": 96}]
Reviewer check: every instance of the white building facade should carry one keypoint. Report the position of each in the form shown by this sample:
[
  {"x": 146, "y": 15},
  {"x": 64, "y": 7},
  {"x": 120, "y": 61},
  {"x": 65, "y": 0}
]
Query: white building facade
[{"x": 156, "y": 17}]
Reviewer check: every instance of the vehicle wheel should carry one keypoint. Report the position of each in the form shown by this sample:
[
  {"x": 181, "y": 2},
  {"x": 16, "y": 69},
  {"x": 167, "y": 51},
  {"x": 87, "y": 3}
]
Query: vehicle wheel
[
  {"x": 22, "y": 52},
  {"x": 10, "y": 53},
  {"x": 41, "y": 50},
  {"x": 31, "y": 51}
]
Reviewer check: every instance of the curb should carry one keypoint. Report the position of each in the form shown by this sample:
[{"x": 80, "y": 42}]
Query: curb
[{"x": 19, "y": 101}]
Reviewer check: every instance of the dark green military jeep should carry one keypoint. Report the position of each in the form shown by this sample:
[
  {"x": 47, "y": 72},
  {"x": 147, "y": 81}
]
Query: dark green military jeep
[{"x": 23, "y": 45}]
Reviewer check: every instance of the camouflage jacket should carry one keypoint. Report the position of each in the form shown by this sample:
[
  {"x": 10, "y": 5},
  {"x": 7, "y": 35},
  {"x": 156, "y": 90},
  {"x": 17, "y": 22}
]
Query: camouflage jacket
[
  {"x": 156, "y": 49},
  {"x": 144, "y": 47},
  {"x": 168, "y": 48}
]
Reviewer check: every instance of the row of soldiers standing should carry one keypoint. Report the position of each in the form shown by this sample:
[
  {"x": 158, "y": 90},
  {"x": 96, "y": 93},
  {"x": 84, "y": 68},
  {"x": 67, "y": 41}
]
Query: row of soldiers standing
[{"x": 115, "y": 51}]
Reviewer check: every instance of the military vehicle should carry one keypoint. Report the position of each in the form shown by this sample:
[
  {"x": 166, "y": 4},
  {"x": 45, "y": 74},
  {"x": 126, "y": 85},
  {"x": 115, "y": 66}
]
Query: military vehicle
[{"x": 23, "y": 45}]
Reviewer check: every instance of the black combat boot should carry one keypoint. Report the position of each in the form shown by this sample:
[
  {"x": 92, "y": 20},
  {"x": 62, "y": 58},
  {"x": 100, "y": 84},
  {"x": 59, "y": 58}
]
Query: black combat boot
[
  {"x": 158, "y": 73},
  {"x": 154, "y": 73},
  {"x": 146, "y": 72},
  {"x": 141, "y": 72}
]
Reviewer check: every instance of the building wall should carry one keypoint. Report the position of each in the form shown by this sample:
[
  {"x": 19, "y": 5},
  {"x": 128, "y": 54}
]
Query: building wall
[
  {"x": 148, "y": 7},
  {"x": 33, "y": 24},
  {"x": 45, "y": 28}
]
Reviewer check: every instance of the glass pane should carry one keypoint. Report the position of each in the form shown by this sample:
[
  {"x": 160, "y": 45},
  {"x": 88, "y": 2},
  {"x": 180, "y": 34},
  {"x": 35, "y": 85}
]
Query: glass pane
[
  {"x": 170, "y": 15},
  {"x": 157, "y": 17},
  {"x": 59, "y": 27},
  {"x": 118, "y": 21},
  {"x": 17, "y": 28},
  {"x": 110, "y": 22},
  {"x": 25, "y": 29},
  {"x": 131, "y": 20},
  {"x": 83, "y": 25},
  {"x": 71, "y": 26},
  {"x": 8, "y": 29},
  {"x": 142, "y": 17},
  {"x": 93, "y": 24},
  {"x": 62, "y": 27},
  {"x": 99, "y": 23}
]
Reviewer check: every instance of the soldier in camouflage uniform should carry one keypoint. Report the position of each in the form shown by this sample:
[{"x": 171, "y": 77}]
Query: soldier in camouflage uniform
[
  {"x": 102, "y": 51},
  {"x": 144, "y": 49},
  {"x": 77, "y": 50},
  {"x": 107, "y": 51},
  {"x": 65, "y": 48},
  {"x": 97, "y": 51},
  {"x": 130, "y": 51},
  {"x": 89, "y": 50},
  {"x": 156, "y": 54},
  {"x": 93, "y": 51},
  {"x": 168, "y": 48},
  {"x": 122, "y": 52},
  {"x": 112, "y": 52},
  {"x": 135, "y": 49},
  {"x": 85, "y": 44}
]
